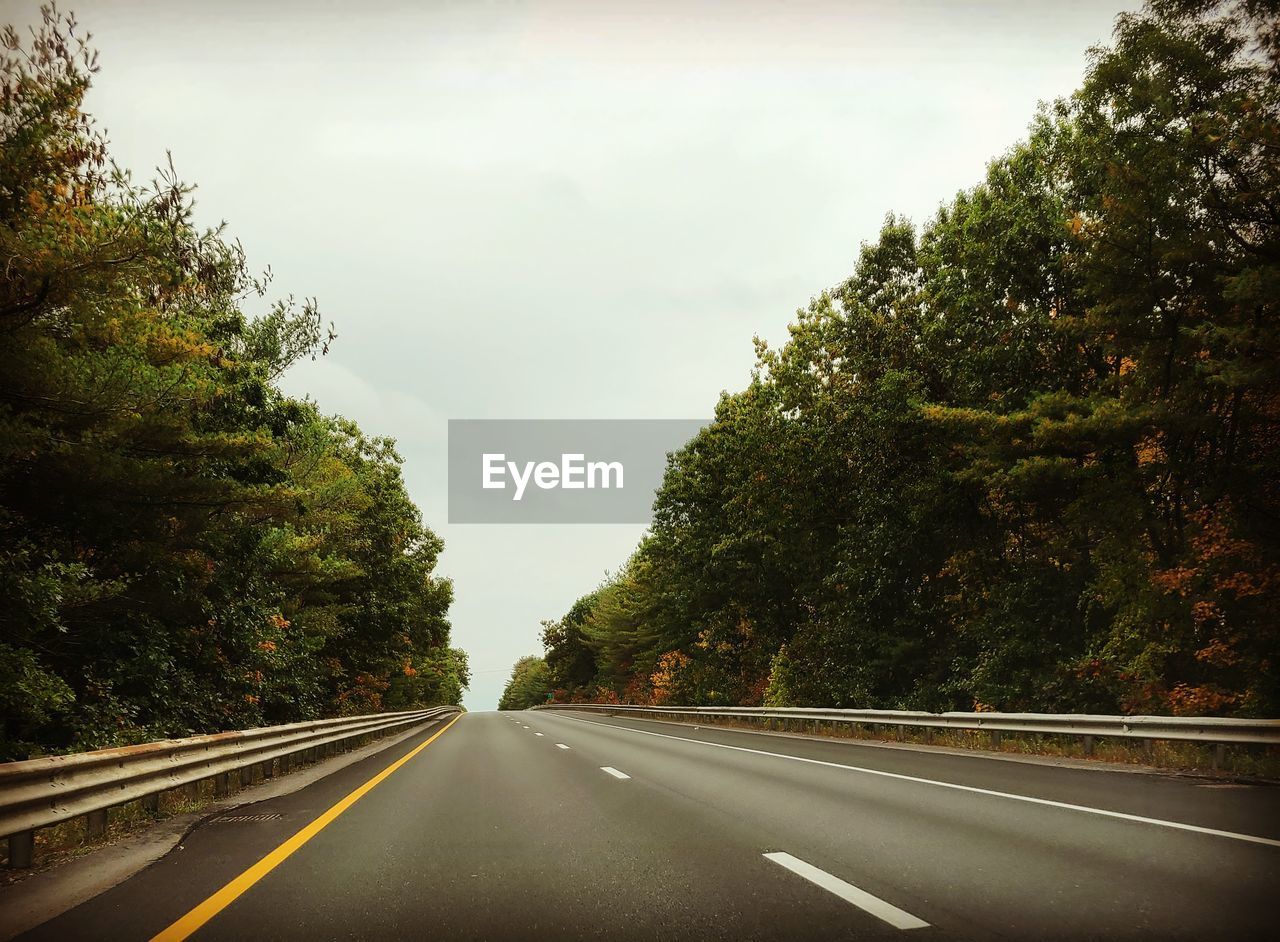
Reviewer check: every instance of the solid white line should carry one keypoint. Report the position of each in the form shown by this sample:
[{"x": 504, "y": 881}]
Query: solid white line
[
  {"x": 614, "y": 772},
  {"x": 561, "y": 745},
  {"x": 849, "y": 893},
  {"x": 1159, "y": 822},
  {"x": 537, "y": 734}
]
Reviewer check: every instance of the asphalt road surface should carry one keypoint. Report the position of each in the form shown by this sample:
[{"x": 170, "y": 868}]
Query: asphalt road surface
[{"x": 550, "y": 825}]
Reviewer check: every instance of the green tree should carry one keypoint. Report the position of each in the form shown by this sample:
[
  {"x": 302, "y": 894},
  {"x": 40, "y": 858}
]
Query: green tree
[
  {"x": 1025, "y": 456},
  {"x": 530, "y": 684},
  {"x": 183, "y": 548}
]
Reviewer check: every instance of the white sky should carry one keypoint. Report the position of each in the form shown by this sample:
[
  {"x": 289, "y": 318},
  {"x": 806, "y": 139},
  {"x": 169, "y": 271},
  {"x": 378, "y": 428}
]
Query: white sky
[{"x": 561, "y": 210}]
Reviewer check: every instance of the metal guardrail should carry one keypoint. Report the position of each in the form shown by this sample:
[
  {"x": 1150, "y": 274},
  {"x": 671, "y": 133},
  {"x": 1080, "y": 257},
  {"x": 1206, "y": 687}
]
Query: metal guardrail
[
  {"x": 36, "y": 793},
  {"x": 1211, "y": 730}
]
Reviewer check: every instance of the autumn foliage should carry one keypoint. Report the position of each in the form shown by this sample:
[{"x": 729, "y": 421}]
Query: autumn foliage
[
  {"x": 183, "y": 548},
  {"x": 1027, "y": 456}
]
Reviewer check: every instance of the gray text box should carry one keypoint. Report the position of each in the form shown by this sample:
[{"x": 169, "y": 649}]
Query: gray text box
[{"x": 560, "y": 470}]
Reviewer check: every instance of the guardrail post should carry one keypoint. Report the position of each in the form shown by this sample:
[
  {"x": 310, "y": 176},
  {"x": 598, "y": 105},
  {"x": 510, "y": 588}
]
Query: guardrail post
[
  {"x": 286, "y": 762},
  {"x": 222, "y": 785},
  {"x": 1219, "y": 755},
  {"x": 268, "y": 769},
  {"x": 95, "y": 823},
  {"x": 151, "y": 803},
  {"x": 995, "y": 739},
  {"x": 22, "y": 848},
  {"x": 1088, "y": 746}
]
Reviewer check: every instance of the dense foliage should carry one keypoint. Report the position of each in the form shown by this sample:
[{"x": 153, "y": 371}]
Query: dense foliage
[
  {"x": 530, "y": 684},
  {"x": 1024, "y": 458},
  {"x": 182, "y": 547}
]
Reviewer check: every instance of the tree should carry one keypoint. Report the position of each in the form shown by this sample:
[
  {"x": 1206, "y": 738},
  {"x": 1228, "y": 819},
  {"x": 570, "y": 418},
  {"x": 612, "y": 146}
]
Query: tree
[
  {"x": 183, "y": 548},
  {"x": 1025, "y": 456},
  {"x": 530, "y": 684}
]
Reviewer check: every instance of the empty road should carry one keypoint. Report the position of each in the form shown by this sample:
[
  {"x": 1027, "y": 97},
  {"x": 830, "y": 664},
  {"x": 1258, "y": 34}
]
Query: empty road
[{"x": 551, "y": 825}]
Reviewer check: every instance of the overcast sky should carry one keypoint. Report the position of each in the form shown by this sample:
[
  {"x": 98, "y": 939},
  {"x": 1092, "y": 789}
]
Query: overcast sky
[{"x": 561, "y": 210}]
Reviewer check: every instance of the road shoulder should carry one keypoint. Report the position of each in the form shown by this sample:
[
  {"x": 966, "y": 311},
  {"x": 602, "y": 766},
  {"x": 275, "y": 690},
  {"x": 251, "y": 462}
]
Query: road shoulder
[{"x": 49, "y": 893}]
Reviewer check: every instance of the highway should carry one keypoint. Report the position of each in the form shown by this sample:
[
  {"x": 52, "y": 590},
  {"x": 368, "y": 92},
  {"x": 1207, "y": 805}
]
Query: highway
[{"x": 552, "y": 825}]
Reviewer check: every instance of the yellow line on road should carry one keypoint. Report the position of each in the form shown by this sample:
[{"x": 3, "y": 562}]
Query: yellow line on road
[{"x": 220, "y": 900}]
